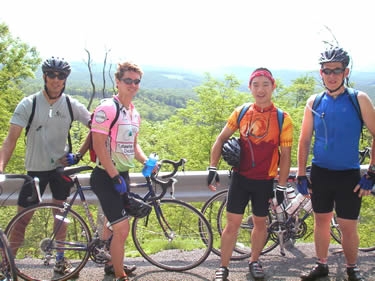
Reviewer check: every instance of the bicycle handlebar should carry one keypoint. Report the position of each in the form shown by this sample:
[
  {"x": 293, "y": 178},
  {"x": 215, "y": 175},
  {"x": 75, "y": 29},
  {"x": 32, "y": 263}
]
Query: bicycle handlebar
[
  {"x": 27, "y": 180},
  {"x": 171, "y": 181}
]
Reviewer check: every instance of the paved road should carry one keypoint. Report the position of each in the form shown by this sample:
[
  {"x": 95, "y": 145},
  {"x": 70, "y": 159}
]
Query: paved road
[{"x": 299, "y": 258}]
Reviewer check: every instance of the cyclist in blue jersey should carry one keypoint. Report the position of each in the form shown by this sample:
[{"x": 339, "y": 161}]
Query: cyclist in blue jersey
[{"x": 335, "y": 180}]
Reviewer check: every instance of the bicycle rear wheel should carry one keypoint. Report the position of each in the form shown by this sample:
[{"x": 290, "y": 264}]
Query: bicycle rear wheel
[
  {"x": 366, "y": 226},
  {"x": 242, "y": 249},
  {"x": 34, "y": 244},
  {"x": 8, "y": 270},
  {"x": 210, "y": 210},
  {"x": 170, "y": 237}
]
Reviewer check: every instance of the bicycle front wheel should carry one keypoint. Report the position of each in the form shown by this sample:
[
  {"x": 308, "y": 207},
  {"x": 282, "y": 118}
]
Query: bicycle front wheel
[
  {"x": 7, "y": 267},
  {"x": 39, "y": 232},
  {"x": 171, "y": 237}
]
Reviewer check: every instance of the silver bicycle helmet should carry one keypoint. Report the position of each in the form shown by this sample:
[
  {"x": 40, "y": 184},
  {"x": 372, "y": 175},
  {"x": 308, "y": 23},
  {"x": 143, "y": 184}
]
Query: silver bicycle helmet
[
  {"x": 335, "y": 54},
  {"x": 231, "y": 151}
]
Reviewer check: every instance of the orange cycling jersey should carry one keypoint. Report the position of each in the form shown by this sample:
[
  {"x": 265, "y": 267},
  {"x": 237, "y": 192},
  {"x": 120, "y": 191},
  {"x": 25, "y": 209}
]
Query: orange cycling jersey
[{"x": 260, "y": 140}]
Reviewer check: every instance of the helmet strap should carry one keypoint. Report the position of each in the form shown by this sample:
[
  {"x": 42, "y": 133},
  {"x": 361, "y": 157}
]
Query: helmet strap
[
  {"x": 46, "y": 90},
  {"x": 334, "y": 90}
]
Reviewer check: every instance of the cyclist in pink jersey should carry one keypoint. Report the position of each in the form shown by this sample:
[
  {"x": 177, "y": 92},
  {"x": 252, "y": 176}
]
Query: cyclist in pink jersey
[{"x": 117, "y": 148}]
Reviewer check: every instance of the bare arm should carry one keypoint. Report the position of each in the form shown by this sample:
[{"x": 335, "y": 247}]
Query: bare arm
[
  {"x": 9, "y": 145},
  {"x": 138, "y": 152},
  {"x": 224, "y": 135},
  {"x": 99, "y": 144},
  {"x": 368, "y": 116},
  {"x": 305, "y": 137},
  {"x": 284, "y": 166},
  {"x": 216, "y": 149}
]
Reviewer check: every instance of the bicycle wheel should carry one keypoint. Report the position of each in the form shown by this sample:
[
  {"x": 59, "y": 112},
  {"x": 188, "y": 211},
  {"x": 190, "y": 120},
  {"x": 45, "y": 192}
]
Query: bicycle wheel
[
  {"x": 8, "y": 270},
  {"x": 366, "y": 224},
  {"x": 243, "y": 245},
  {"x": 172, "y": 239},
  {"x": 210, "y": 210},
  {"x": 34, "y": 244},
  {"x": 335, "y": 229}
]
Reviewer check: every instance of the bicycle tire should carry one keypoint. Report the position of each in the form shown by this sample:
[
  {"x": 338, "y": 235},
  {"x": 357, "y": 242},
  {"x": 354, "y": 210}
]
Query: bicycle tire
[
  {"x": 35, "y": 255},
  {"x": 184, "y": 249},
  {"x": 210, "y": 210},
  {"x": 243, "y": 244},
  {"x": 7, "y": 267},
  {"x": 335, "y": 229}
]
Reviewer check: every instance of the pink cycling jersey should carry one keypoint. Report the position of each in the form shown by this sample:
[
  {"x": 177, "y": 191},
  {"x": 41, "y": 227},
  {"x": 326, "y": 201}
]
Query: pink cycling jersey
[{"x": 123, "y": 133}]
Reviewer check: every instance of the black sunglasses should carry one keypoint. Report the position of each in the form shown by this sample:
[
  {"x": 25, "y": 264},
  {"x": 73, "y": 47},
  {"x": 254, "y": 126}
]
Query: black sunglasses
[
  {"x": 59, "y": 75},
  {"x": 335, "y": 71},
  {"x": 129, "y": 81}
]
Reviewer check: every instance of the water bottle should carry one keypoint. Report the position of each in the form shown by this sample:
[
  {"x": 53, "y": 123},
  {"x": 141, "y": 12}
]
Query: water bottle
[
  {"x": 296, "y": 202},
  {"x": 279, "y": 211},
  {"x": 308, "y": 206},
  {"x": 150, "y": 164},
  {"x": 290, "y": 193}
]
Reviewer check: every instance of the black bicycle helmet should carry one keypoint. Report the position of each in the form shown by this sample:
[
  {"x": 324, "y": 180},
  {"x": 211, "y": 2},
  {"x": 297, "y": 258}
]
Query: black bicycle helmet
[
  {"x": 335, "y": 54},
  {"x": 57, "y": 65},
  {"x": 137, "y": 208},
  {"x": 231, "y": 152}
]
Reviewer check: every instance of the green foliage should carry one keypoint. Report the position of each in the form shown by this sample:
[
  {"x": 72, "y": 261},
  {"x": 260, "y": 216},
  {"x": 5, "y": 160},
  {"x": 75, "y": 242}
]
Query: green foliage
[{"x": 18, "y": 61}]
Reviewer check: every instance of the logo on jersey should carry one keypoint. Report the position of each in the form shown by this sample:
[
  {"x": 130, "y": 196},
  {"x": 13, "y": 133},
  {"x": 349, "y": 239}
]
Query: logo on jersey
[{"x": 100, "y": 117}]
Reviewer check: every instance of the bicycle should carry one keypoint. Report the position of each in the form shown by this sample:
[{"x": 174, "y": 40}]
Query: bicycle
[
  {"x": 292, "y": 226},
  {"x": 7, "y": 265},
  {"x": 177, "y": 244}
]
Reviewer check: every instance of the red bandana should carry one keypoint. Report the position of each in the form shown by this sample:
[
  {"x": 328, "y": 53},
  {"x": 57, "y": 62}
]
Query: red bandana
[{"x": 261, "y": 73}]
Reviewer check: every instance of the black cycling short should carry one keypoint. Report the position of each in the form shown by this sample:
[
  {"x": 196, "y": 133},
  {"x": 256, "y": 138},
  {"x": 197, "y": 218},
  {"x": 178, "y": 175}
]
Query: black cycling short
[
  {"x": 111, "y": 201},
  {"x": 242, "y": 190},
  {"x": 334, "y": 189},
  {"x": 59, "y": 190}
]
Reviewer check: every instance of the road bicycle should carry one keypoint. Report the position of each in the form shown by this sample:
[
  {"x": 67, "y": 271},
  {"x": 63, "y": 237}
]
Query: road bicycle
[
  {"x": 8, "y": 270},
  {"x": 297, "y": 225},
  {"x": 168, "y": 237}
]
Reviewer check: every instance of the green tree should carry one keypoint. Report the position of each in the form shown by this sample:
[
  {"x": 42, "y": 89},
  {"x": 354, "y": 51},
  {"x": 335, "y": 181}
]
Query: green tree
[{"x": 18, "y": 62}]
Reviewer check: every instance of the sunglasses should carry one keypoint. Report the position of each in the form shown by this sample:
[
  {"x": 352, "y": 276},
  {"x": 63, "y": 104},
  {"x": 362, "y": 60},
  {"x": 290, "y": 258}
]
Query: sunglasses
[
  {"x": 335, "y": 71},
  {"x": 129, "y": 81},
  {"x": 59, "y": 75}
]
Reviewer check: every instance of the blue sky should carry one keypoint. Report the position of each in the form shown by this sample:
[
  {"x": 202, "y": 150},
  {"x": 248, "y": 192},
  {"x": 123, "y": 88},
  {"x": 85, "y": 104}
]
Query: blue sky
[{"x": 195, "y": 34}]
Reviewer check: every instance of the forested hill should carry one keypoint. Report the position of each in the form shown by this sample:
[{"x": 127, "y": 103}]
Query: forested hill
[
  {"x": 163, "y": 90},
  {"x": 181, "y": 78}
]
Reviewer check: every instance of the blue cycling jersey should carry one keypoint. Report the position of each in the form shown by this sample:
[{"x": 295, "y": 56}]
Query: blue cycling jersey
[{"x": 337, "y": 129}]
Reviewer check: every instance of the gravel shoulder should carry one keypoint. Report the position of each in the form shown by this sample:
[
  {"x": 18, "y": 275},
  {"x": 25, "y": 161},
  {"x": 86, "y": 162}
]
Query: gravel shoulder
[{"x": 298, "y": 258}]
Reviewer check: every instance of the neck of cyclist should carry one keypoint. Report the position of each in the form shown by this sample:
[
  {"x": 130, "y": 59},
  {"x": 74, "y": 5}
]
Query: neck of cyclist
[{"x": 335, "y": 92}]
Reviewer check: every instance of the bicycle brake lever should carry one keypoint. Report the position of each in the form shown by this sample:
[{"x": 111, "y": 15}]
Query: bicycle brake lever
[{"x": 172, "y": 188}]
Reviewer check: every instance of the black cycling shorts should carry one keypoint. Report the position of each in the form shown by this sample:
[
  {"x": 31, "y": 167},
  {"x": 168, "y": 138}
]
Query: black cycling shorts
[
  {"x": 334, "y": 189},
  {"x": 111, "y": 201},
  {"x": 59, "y": 190},
  {"x": 242, "y": 190}
]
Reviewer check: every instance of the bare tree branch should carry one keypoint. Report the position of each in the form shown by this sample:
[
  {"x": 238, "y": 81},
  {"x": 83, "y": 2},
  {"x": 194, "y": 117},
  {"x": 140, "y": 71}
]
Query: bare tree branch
[{"x": 91, "y": 79}]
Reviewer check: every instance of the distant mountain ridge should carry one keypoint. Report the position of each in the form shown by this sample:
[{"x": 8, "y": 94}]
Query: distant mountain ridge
[{"x": 174, "y": 78}]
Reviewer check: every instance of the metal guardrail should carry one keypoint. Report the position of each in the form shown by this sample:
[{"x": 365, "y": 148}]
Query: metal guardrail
[{"x": 191, "y": 186}]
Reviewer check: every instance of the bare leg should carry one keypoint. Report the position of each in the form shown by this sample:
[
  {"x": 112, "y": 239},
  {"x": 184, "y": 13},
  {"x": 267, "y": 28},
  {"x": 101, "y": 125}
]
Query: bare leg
[
  {"x": 350, "y": 239},
  {"x": 258, "y": 237},
  {"x": 229, "y": 237},
  {"x": 322, "y": 235},
  {"x": 120, "y": 234}
]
